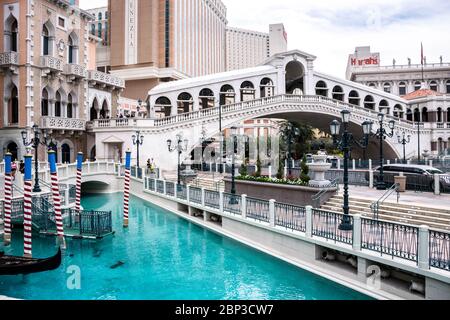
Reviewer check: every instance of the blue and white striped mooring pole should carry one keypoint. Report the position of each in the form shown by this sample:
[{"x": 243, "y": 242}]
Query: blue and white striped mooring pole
[
  {"x": 78, "y": 182},
  {"x": 27, "y": 194},
  {"x": 56, "y": 199},
  {"x": 8, "y": 200},
  {"x": 126, "y": 189}
]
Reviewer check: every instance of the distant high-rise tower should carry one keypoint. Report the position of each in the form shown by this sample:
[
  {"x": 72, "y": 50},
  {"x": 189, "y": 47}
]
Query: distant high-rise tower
[
  {"x": 163, "y": 40},
  {"x": 246, "y": 48}
]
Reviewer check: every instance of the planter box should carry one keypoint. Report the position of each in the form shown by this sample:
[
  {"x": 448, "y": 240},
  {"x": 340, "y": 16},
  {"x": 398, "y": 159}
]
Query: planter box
[{"x": 297, "y": 195}]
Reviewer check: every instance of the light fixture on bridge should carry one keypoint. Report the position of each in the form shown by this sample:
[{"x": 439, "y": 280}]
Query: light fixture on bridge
[{"x": 367, "y": 127}]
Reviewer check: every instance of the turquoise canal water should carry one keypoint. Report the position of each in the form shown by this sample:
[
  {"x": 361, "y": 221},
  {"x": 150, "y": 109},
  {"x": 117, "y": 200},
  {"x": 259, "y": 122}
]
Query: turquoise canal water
[{"x": 164, "y": 257}]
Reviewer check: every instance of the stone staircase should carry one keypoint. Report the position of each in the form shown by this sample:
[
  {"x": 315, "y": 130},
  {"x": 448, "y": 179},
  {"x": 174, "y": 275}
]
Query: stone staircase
[
  {"x": 203, "y": 180},
  {"x": 436, "y": 218}
]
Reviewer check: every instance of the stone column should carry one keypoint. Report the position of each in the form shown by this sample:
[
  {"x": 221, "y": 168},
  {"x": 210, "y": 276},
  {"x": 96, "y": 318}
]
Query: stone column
[{"x": 423, "y": 250}]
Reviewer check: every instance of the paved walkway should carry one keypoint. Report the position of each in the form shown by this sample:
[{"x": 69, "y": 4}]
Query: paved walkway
[{"x": 423, "y": 199}]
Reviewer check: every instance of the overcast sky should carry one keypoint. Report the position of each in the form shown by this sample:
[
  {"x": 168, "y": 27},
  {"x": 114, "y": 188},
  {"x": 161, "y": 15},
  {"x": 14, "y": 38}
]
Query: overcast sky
[{"x": 331, "y": 29}]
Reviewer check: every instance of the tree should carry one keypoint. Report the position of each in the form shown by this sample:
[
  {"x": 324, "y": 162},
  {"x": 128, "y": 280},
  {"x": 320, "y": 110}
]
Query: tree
[
  {"x": 301, "y": 135},
  {"x": 243, "y": 171},
  {"x": 305, "y": 170}
]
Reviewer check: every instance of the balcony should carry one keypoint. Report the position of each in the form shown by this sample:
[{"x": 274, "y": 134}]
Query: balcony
[
  {"x": 105, "y": 80},
  {"x": 51, "y": 65},
  {"x": 75, "y": 71},
  {"x": 63, "y": 124},
  {"x": 9, "y": 60}
]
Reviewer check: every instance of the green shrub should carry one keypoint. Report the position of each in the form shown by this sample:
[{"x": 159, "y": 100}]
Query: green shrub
[{"x": 305, "y": 171}]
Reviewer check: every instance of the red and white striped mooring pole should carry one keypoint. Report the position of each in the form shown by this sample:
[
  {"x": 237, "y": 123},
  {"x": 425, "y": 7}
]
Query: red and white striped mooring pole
[
  {"x": 126, "y": 189},
  {"x": 27, "y": 213},
  {"x": 78, "y": 182},
  {"x": 56, "y": 199},
  {"x": 8, "y": 200}
]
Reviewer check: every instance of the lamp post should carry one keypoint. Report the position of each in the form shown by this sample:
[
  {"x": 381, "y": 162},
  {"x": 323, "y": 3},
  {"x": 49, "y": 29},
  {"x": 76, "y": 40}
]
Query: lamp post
[
  {"x": 382, "y": 134},
  {"x": 290, "y": 133},
  {"x": 138, "y": 140},
  {"x": 180, "y": 147},
  {"x": 34, "y": 143},
  {"x": 404, "y": 140},
  {"x": 344, "y": 144},
  {"x": 418, "y": 141},
  {"x": 234, "y": 132}
]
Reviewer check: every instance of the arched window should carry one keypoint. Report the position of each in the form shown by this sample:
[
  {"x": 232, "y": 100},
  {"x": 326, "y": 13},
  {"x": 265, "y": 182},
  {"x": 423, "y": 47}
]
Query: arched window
[
  {"x": 384, "y": 106},
  {"x": 206, "y": 98},
  {"x": 369, "y": 103},
  {"x": 417, "y": 85},
  {"x": 398, "y": 111},
  {"x": 11, "y": 29},
  {"x": 94, "y": 110},
  {"x": 448, "y": 115},
  {"x": 424, "y": 115},
  {"x": 163, "y": 107},
  {"x": 185, "y": 103},
  {"x": 439, "y": 115},
  {"x": 48, "y": 36},
  {"x": 69, "y": 112},
  {"x": 338, "y": 93},
  {"x": 353, "y": 98},
  {"x": 104, "y": 112},
  {"x": 105, "y": 38},
  {"x": 44, "y": 103},
  {"x": 321, "y": 89},
  {"x": 58, "y": 104},
  {"x": 416, "y": 115},
  {"x": 372, "y": 85},
  {"x": 447, "y": 84},
  {"x": 93, "y": 29},
  {"x": 402, "y": 88},
  {"x": 387, "y": 87},
  {"x": 13, "y": 149},
  {"x": 65, "y": 153},
  {"x": 267, "y": 88},
  {"x": 73, "y": 48},
  {"x": 409, "y": 115},
  {"x": 227, "y": 95},
  {"x": 13, "y": 112},
  {"x": 247, "y": 91},
  {"x": 100, "y": 30},
  {"x": 434, "y": 86}
]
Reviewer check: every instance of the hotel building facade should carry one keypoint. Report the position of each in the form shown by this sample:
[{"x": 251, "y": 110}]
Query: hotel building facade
[
  {"x": 425, "y": 86},
  {"x": 48, "y": 77}
]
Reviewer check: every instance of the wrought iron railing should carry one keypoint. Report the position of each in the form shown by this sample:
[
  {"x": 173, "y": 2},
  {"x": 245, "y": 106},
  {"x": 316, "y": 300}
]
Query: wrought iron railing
[
  {"x": 326, "y": 225},
  {"x": 212, "y": 199},
  {"x": 232, "y": 203},
  {"x": 258, "y": 209},
  {"x": 355, "y": 178},
  {"x": 181, "y": 192},
  {"x": 151, "y": 184},
  {"x": 195, "y": 195},
  {"x": 440, "y": 250},
  {"x": 396, "y": 240},
  {"x": 170, "y": 189},
  {"x": 375, "y": 206},
  {"x": 160, "y": 186},
  {"x": 290, "y": 217}
]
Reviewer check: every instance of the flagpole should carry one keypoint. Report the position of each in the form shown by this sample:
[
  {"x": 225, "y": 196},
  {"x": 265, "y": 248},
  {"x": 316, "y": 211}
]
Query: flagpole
[{"x": 422, "y": 62}]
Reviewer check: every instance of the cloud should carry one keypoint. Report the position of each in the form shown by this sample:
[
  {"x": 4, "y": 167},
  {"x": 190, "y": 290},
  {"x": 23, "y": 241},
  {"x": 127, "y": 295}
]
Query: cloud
[{"x": 331, "y": 29}]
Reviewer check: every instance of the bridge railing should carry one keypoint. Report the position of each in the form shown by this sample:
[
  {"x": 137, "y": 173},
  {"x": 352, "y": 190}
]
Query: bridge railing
[{"x": 240, "y": 106}]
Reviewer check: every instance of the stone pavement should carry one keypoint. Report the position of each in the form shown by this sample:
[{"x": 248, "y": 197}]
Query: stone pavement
[{"x": 422, "y": 199}]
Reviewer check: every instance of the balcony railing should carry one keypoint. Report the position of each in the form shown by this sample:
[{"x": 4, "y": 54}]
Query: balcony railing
[
  {"x": 9, "y": 58},
  {"x": 105, "y": 79},
  {"x": 63, "y": 124},
  {"x": 76, "y": 70},
  {"x": 52, "y": 64}
]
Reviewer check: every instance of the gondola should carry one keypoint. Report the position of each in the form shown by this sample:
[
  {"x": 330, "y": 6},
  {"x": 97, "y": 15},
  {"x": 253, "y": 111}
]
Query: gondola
[{"x": 12, "y": 265}]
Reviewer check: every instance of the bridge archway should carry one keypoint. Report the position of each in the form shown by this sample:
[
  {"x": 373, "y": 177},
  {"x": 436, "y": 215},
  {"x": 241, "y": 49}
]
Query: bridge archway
[
  {"x": 295, "y": 78},
  {"x": 227, "y": 95},
  {"x": 90, "y": 187}
]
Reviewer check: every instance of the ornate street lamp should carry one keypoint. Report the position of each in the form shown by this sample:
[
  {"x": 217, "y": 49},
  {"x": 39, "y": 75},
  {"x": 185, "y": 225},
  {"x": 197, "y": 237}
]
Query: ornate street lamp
[
  {"x": 382, "y": 134},
  {"x": 181, "y": 146},
  {"x": 289, "y": 136},
  {"x": 344, "y": 144},
  {"x": 234, "y": 132},
  {"x": 138, "y": 108},
  {"x": 34, "y": 143},
  {"x": 403, "y": 140},
  {"x": 138, "y": 140}
]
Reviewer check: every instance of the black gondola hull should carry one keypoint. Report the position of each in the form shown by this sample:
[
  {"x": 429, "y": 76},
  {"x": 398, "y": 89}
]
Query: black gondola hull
[{"x": 12, "y": 265}]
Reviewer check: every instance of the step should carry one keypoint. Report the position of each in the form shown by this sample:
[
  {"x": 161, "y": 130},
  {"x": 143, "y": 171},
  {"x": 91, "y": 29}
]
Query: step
[
  {"x": 389, "y": 217},
  {"x": 432, "y": 212}
]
